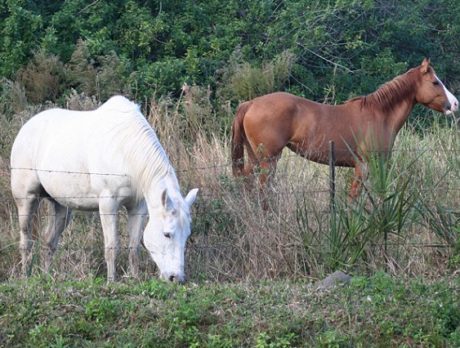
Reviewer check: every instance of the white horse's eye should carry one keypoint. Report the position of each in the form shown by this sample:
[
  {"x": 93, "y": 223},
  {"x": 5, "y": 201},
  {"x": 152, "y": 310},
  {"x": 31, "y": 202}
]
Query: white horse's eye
[{"x": 168, "y": 235}]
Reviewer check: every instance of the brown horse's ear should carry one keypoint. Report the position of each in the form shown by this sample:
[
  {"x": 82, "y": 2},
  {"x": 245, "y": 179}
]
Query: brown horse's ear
[{"x": 425, "y": 66}]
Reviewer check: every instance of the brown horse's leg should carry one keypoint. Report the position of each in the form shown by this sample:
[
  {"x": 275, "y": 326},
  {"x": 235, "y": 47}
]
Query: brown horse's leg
[
  {"x": 357, "y": 183},
  {"x": 264, "y": 173},
  {"x": 261, "y": 164},
  {"x": 267, "y": 169},
  {"x": 248, "y": 171}
]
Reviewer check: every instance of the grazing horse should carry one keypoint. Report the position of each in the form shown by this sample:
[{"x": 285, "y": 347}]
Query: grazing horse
[
  {"x": 359, "y": 127},
  {"x": 101, "y": 160}
]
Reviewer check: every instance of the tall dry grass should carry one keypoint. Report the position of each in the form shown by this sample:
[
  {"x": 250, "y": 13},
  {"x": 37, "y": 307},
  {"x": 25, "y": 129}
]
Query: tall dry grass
[
  {"x": 410, "y": 225},
  {"x": 396, "y": 225}
]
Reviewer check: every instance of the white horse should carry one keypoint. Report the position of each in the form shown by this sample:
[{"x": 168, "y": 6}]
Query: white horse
[{"x": 101, "y": 160}]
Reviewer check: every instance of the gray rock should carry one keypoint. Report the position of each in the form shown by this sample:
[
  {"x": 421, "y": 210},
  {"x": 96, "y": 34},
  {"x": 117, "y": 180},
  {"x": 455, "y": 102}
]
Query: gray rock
[{"x": 333, "y": 280}]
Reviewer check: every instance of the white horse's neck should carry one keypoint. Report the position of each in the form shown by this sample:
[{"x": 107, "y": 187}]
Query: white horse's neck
[
  {"x": 145, "y": 159},
  {"x": 150, "y": 167}
]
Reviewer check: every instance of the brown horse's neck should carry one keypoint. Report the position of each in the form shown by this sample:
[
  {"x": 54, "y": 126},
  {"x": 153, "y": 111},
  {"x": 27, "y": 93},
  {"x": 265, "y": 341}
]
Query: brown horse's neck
[
  {"x": 394, "y": 100},
  {"x": 400, "y": 116}
]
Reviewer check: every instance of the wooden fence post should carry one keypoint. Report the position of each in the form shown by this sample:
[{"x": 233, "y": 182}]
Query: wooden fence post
[{"x": 332, "y": 177}]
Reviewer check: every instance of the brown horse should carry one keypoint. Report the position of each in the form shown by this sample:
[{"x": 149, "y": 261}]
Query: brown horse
[{"x": 360, "y": 126}]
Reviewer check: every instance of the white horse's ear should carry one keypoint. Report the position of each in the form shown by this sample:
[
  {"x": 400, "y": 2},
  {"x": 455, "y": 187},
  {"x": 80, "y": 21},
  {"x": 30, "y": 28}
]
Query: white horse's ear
[
  {"x": 166, "y": 202},
  {"x": 191, "y": 196}
]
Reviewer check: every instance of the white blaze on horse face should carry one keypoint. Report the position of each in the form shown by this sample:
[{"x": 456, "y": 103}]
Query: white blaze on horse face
[
  {"x": 166, "y": 236},
  {"x": 451, "y": 98}
]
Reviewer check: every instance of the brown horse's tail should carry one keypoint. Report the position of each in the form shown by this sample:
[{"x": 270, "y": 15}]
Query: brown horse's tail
[{"x": 239, "y": 139}]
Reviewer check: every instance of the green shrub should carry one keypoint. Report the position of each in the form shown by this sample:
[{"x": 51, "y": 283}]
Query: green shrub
[
  {"x": 100, "y": 76},
  {"x": 43, "y": 78},
  {"x": 243, "y": 81}
]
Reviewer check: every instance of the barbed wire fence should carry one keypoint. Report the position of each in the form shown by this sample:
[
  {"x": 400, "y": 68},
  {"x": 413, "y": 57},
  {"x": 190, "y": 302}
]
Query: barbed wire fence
[{"x": 211, "y": 195}]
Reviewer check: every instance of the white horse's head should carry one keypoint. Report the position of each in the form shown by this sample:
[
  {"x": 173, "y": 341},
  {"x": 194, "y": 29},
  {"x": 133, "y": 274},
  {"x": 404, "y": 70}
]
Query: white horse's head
[{"x": 166, "y": 234}]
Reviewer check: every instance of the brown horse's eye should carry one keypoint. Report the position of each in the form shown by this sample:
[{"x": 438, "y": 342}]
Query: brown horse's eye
[{"x": 436, "y": 83}]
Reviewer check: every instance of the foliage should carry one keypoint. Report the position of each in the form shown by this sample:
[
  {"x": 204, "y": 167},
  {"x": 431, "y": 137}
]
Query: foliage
[
  {"x": 43, "y": 78},
  {"x": 370, "y": 311},
  {"x": 77, "y": 53},
  {"x": 245, "y": 81},
  {"x": 101, "y": 76},
  {"x": 390, "y": 203},
  {"x": 20, "y": 29},
  {"x": 342, "y": 48}
]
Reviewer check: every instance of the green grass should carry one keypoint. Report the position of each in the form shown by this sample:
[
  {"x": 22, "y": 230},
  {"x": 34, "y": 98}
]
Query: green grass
[
  {"x": 267, "y": 256},
  {"x": 375, "y": 311}
]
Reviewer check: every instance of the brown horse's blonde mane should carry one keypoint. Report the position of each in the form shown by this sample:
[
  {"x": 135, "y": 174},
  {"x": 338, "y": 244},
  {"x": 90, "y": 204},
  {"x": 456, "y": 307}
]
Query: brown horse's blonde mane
[{"x": 387, "y": 96}]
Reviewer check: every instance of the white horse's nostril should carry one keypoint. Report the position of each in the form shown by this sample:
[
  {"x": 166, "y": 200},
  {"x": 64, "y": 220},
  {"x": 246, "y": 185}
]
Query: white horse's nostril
[{"x": 176, "y": 279}]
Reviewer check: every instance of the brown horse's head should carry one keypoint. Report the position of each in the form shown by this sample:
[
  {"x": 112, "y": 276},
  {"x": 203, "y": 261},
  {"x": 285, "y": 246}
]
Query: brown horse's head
[{"x": 432, "y": 93}]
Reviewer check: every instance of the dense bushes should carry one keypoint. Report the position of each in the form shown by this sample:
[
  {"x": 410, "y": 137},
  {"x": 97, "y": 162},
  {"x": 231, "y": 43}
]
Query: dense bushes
[{"x": 342, "y": 48}]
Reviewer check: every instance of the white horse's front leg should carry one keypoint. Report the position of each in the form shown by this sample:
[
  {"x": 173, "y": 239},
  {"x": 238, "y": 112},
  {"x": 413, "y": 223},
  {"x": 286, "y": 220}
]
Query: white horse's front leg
[
  {"x": 108, "y": 209},
  {"x": 136, "y": 220}
]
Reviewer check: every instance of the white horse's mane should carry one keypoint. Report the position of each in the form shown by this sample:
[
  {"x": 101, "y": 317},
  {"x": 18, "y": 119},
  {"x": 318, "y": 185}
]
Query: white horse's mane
[{"x": 139, "y": 144}]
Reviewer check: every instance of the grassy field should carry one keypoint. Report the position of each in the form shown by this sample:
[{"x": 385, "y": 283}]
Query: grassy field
[
  {"x": 379, "y": 311},
  {"x": 252, "y": 271}
]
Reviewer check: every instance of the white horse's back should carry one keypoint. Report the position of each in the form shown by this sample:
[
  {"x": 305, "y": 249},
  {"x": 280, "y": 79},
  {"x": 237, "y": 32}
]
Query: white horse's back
[
  {"x": 64, "y": 135},
  {"x": 73, "y": 155}
]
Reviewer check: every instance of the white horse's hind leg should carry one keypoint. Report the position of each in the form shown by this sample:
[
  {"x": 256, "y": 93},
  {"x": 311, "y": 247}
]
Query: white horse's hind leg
[
  {"x": 59, "y": 218},
  {"x": 108, "y": 209},
  {"x": 27, "y": 206},
  {"x": 136, "y": 221},
  {"x": 26, "y": 190}
]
